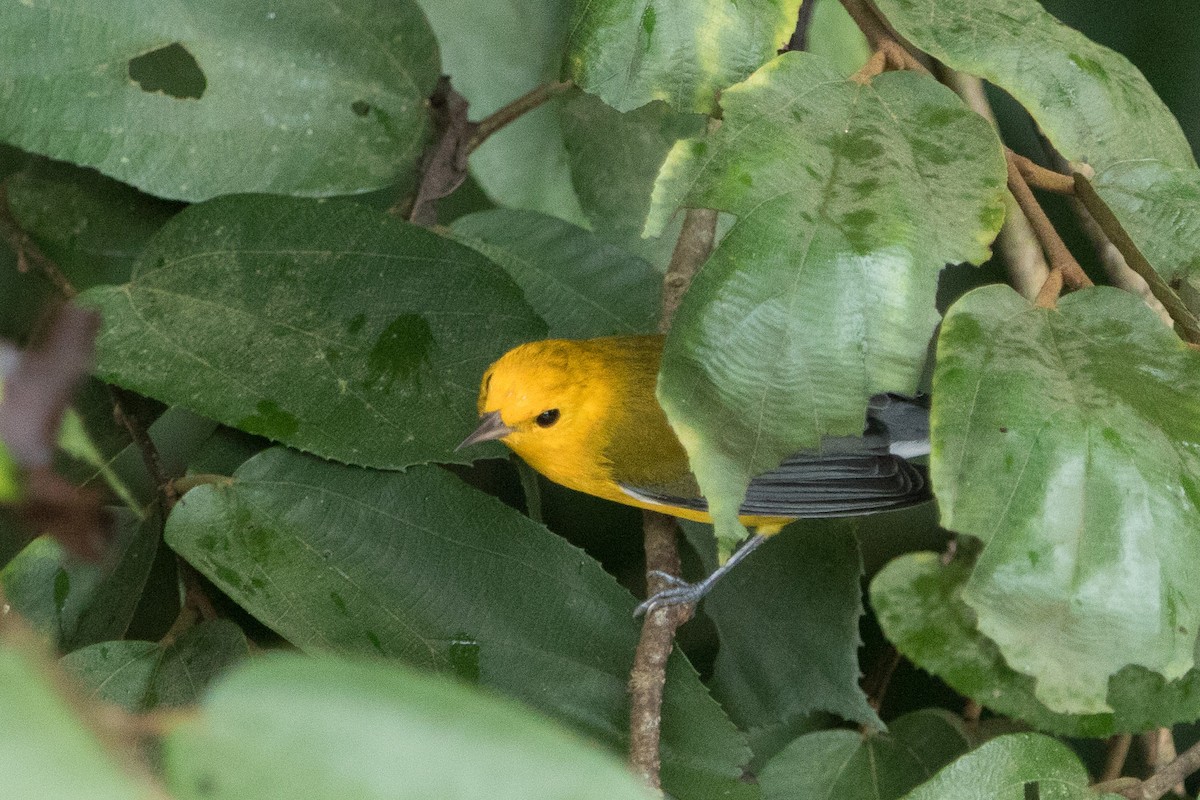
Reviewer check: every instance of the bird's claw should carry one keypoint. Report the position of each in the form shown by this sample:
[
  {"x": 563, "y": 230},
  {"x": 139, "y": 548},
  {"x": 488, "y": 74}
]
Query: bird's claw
[
  {"x": 682, "y": 593},
  {"x": 674, "y": 581}
]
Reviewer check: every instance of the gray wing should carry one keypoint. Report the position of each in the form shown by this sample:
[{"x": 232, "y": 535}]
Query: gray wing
[{"x": 851, "y": 476}]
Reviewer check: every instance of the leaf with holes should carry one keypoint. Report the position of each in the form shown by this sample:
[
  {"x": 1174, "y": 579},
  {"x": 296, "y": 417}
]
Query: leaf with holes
[
  {"x": 221, "y": 96},
  {"x": 420, "y": 567},
  {"x": 321, "y": 324},
  {"x": 1092, "y": 104},
  {"x": 1068, "y": 441},
  {"x": 630, "y": 52},
  {"x": 850, "y": 200}
]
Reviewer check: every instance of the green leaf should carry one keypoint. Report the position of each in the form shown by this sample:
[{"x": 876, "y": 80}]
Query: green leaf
[
  {"x": 848, "y": 764},
  {"x": 75, "y": 441},
  {"x": 834, "y": 35},
  {"x": 999, "y": 770},
  {"x": 579, "y": 284},
  {"x": 856, "y": 193},
  {"x": 47, "y": 751},
  {"x": 1068, "y": 441},
  {"x": 74, "y": 603},
  {"x": 1090, "y": 102},
  {"x": 321, "y": 324},
  {"x": 788, "y": 624},
  {"x": 177, "y": 435},
  {"x": 287, "y": 727},
  {"x": 919, "y": 604},
  {"x": 221, "y": 96},
  {"x": 630, "y": 52},
  {"x": 140, "y": 676},
  {"x": 10, "y": 480},
  {"x": 615, "y": 159},
  {"x": 91, "y": 226},
  {"x": 418, "y": 566},
  {"x": 1159, "y": 207},
  {"x": 494, "y": 53}
]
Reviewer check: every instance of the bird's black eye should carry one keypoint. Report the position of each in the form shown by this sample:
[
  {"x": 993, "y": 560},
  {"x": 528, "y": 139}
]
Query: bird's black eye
[{"x": 547, "y": 418}]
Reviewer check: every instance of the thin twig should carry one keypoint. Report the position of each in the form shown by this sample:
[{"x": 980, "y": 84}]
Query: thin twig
[
  {"x": 1052, "y": 244},
  {"x": 1047, "y": 296},
  {"x": 647, "y": 677},
  {"x": 1188, "y": 325},
  {"x": 196, "y": 602},
  {"x": 1016, "y": 243},
  {"x": 649, "y": 673},
  {"x": 1167, "y": 778},
  {"x": 27, "y": 250},
  {"x": 1114, "y": 758},
  {"x": 876, "y": 64},
  {"x": 1118, "y": 272},
  {"x": 145, "y": 445},
  {"x": 513, "y": 111},
  {"x": 695, "y": 243},
  {"x": 875, "y": 685},
  {"x": 1039, "y": 177}
]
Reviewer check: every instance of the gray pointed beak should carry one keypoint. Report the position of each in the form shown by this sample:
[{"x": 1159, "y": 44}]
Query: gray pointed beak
[{"x": 491, "y": 426}]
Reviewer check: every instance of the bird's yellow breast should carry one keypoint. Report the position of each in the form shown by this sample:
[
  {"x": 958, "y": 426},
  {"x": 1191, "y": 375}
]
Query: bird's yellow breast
[{"x": 610, "y": 429}]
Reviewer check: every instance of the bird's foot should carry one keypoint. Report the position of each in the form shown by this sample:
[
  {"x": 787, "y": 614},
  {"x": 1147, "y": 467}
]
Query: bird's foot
[
  {"x": 678, "y": 594},
  {"x": 673, "y": 581}
]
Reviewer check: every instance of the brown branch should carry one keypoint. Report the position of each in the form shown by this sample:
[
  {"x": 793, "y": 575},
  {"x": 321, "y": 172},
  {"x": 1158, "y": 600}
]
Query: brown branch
[
  {"x": 1052, "y": 244},
  {"x": 1114, "y": 758},
  {"x": 648, "y": 675},
  {"x": 896, "y": 52},
  {"x": 1188, "y": 325},
  {"x": 444, "y": 165},
  {"x": 695, "y": 243},
  {"x": 1016, "y": 242},
  {"x": 876, "y": 65},
  {"x": 196, "y": 603},
  {"x": 1047, "y": 296},
  {"x": 1168, "y": 777},
  {"x": 141, "y": 440},
  {"x": 1119, "y": 273},
  {"x": 514, "y": 111},
  {"x": 1039, "y": 177},
  {"x": 27, "y": 250}
]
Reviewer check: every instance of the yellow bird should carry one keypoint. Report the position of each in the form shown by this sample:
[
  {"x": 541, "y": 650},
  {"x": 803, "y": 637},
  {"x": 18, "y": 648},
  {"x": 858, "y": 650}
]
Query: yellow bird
[{"x": 583, "y": 413}]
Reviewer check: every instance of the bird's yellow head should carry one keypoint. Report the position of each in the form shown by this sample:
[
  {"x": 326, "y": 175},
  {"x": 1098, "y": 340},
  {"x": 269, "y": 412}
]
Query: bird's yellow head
[{"x": 559, "y": 403}]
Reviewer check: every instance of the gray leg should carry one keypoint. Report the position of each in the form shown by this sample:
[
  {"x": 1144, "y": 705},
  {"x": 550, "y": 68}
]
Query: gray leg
[{"x": 682, "y": 593}]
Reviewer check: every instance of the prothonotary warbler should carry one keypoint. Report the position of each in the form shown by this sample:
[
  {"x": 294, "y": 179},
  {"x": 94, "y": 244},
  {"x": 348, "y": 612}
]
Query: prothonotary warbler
[{"x": 584, "y": 414}]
